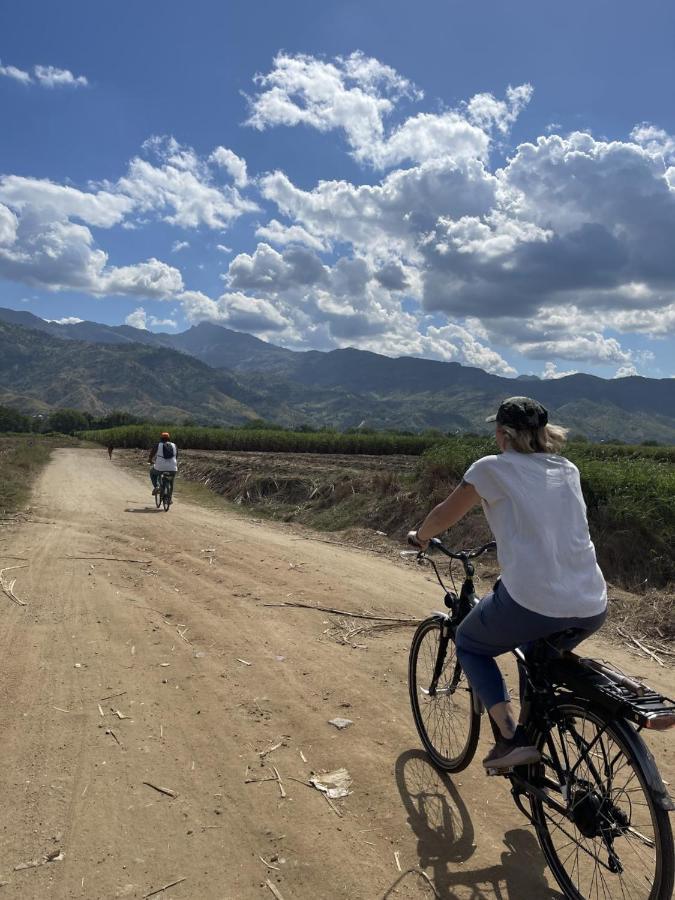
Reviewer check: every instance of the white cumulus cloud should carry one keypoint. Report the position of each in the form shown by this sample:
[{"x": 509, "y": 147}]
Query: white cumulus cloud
[
  {"x": 45, "y": 76},
  {"x": 551, "y": 371},
  {"x": 179, "y": 187},
  {"x": 233, "y": 164},
  {"x": 53, "y": 77},
  {"x": 626, "y": 371},
  {"x": 16, "y": 74},
  {"x": 140, "y": 319},
  {"x": 357, "y": 94}
]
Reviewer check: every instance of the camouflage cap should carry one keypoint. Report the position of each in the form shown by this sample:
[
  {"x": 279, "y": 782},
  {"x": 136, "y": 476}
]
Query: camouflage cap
[{"x": 519, "y": 413}]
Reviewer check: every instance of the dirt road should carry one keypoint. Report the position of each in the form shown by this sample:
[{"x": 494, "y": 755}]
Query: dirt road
[{"x": 162, "y": 667}]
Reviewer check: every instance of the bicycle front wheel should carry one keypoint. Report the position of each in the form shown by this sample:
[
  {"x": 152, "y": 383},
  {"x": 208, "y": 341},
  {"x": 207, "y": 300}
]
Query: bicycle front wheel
[
  {"x": 616, "y": 841},
  {"x": 446, "y": 719}
]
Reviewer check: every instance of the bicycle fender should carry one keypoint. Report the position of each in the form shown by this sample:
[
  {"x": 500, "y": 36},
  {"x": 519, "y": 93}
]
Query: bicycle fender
[
  {"x": 653, "y": 777},
  {"x": 444, "y": 621}
]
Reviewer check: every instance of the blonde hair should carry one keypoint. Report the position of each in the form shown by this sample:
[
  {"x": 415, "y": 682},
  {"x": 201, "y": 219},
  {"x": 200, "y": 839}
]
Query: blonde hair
[{"x": 549, "y": 439}]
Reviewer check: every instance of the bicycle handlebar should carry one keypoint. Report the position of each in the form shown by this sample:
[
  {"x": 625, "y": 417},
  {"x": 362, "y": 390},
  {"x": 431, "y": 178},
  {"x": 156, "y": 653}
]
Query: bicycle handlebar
[{"x": 462, "y": 554}]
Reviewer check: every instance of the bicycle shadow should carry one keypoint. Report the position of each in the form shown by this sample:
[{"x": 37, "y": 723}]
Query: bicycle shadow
[
  {"x": 142, "y": 509},
  {"x": 445, "y": 839}
]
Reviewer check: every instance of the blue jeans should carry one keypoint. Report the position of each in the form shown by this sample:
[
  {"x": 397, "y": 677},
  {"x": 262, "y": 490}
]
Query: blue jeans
[
  {"x": 154, "y": 476},
  {"x": 497, "y": 625}
]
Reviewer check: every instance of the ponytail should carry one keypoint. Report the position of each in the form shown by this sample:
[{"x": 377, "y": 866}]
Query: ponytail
[{"x": 549, "y": 439}]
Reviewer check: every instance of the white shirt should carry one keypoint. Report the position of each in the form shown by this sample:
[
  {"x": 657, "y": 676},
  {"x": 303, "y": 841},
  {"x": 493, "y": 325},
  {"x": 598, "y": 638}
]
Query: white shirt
[
  {"x": 165, "y": 465},
  {"x": 535, "y": 508}
]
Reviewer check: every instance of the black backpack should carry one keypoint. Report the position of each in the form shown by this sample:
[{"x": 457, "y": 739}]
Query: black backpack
[{"x": 167, "y": 450}]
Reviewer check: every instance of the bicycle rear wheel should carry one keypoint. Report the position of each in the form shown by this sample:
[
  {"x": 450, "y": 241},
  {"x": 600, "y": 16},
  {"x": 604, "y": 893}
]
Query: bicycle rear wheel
[
  {"x": 166, "y": 494},
  {"x": 158, "y": 495},
  {"x": 446, "y": 719},
  {"x": 618, "y": 842}
]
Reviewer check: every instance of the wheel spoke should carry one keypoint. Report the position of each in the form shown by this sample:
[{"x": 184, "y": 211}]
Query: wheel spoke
[
  {"x": 444, "y": 719},
  {"x": 607, "y": 798}
]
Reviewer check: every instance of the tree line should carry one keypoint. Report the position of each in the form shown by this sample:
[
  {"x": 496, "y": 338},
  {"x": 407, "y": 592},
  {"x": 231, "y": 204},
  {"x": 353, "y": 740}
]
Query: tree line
[{"x": 64, "y": 421}]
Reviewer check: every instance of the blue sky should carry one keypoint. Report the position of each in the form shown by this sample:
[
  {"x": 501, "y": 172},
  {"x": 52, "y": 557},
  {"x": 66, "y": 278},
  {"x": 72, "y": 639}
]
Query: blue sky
[{"x": 490, "y": 183}]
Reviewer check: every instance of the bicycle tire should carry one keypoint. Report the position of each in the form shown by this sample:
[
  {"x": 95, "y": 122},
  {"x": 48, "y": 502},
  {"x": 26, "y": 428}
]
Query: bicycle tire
[
  {"x": 620, "y": 735},
  {"x": 158, "y": 495},
  {"x": 166, "y": 496},
  {"x": 445, "y": 710}
]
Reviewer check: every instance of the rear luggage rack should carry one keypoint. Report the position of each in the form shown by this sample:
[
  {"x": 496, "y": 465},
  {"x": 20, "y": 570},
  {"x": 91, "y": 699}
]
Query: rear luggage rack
[{"x": 625, "y": 696}]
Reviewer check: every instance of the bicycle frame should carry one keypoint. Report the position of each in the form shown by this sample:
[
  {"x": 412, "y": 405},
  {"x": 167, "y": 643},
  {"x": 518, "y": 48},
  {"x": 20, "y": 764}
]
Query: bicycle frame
[
  {"x": 547, "y": 672},
  {"x": 460, "y": 605}
]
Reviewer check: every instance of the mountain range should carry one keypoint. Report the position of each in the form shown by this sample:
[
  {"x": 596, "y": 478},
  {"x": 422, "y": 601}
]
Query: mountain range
[{"x": 213, "y": 375}]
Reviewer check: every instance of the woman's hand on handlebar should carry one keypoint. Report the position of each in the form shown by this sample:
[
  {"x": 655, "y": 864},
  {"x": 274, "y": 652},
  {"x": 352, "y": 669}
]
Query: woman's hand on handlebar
[{"x": 415, "y": 541}]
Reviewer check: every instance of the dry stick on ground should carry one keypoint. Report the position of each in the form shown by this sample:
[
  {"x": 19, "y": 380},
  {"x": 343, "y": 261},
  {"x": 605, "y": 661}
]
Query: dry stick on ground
[
  {"x": 263, "y": 753},
  {"x": 248, "y": 780},
  {"x": 269, "y": 865},
  {"x": 167, "y": 791},
  {"x": 343, "y": 544},
  {"x": 337, "y": 812},
  {"x": 8, "y": 588},
  {"x": 641, "y": 646},
  {"x": 274, "y": 890},
  {"x": 648, "y": 651},
  {"x": 281, "y": 786},
  {"x": 108, "y": 559},
  {"x": 164, "y": 888},
  {"x": 325, "y": 796},
  {"x": 342, "y": 612},
  {"x": 110, "y": 696}
]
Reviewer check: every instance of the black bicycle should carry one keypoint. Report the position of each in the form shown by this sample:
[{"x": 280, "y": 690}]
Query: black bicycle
[
  {"x": 596, "y": 799},
  {"x": 164, "y": 495}
]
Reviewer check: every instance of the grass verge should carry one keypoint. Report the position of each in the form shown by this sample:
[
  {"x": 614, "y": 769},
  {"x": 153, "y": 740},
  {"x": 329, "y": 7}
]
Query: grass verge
[{"x": 22, "y": 458}]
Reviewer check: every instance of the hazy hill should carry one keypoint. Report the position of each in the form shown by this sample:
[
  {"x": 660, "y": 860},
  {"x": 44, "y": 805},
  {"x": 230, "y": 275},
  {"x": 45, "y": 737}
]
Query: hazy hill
[
  {"x": 222, "y": 376},
  {"x": 39, "y": 371}
]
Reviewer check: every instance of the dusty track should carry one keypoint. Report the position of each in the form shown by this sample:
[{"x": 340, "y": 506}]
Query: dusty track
[{"x": 73, "y": 780}]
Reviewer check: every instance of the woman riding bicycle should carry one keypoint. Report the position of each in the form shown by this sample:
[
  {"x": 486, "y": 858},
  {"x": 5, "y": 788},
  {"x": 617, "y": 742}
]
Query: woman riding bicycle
[
  {"x": 550, "y": 580},
  {"x": 163, "y": 459}
]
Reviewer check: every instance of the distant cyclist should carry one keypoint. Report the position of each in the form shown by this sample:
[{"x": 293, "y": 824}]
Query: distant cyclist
[{"x": 163, "y": 459}]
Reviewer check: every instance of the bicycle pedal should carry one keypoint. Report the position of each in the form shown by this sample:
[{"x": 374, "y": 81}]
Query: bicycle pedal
[{"x": 506, "y": 771}]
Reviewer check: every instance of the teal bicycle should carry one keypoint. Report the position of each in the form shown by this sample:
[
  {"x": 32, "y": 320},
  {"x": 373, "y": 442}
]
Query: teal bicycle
[{"x": 164, "y": 495}]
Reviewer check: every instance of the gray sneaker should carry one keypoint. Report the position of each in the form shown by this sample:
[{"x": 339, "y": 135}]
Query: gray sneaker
[{"x": 515, "y": 752}]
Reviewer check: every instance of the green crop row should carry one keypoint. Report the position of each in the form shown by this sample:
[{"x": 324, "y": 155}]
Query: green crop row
[{"x": 275, "y": 441}]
